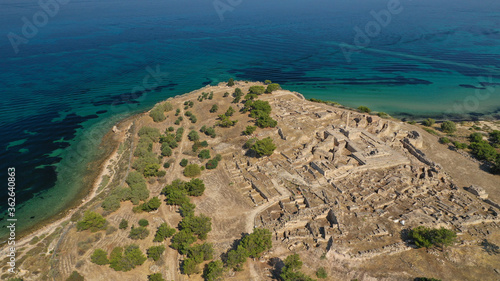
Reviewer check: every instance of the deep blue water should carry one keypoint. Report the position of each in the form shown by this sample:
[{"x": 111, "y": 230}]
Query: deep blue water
[{"x": 94, "y": 62}]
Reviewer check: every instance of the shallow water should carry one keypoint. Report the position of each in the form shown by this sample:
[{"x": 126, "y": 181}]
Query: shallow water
[{"x": 95, "y": 62}]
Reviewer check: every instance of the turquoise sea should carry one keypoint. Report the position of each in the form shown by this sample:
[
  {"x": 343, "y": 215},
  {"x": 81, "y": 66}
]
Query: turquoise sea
[{"x": 70, "y": 69}]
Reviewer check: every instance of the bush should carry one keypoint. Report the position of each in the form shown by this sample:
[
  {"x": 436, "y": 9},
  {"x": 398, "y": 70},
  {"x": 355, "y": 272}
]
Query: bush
[
  {"x": 137, "y": 233},
  {"x": 428, "y": 122},
  {"x": 460, "y": 145},
  {"x": 257, "y": 242},
  {"x": 383, "y": 115},
  {"x": 214, "y": 108},
  {"x": 151, "y": 133},
  {"x": 143, "y": 222},
  {"x": 184, "y": 162},
  {"x": 204, "y": 154},
  {"x": 154, "y": 252},
  {"x": 229, "y": 112},
  {"x": 291, "y": 270},
  {"x": 265, "y": 121},
  {"x": 230, "y": 82},
  {"x": 190, "y": 267},
  {"x": 75, "y": 276},
  {"x": 448, "y": 127},
  {"x": 198, "y": 225},
  {"x": 99, "y": 257},
  {"x": 177, "y": 112},
  {"x": 364, "y": 109},
  {"x": 212, "y": 164},
  {"x": 195, "y": 187},
  {"x": 123, "y": 224},
  {"x": 213, "y": 271},
  {"x": 444, "y": 140},
  {"x": 153, "y": 204},
  {"x": 193, "y": 119},
  {"x": 201, "y": 252},
  {"x": 236, "y": 258},
  {"x": 430, "y": 131},
  {"x": 193, "y": 136},
  {"x": 257, "y": 90},
  {"x": 166, "y": 150},
  {"x": 91, "y": 220},
  {"x": 495, "y": 137},
  {"x": 264, "y": 147},
  {"x": 267, "y": 82},
  {"x": 476, "y": 137},
  {"x": 428, "y": 237},
  {"x": 272, "y": 87},
  {"x": 175, "y": 196},
  {"x": 156, "y": 277},
  {"x": 226, "y": 94},
  {"x": 249, "y": 130},
  {"x": 192, "y": 170},
  {"x": 163, "y": 232},
  {"x": 182, "y": 240},
  {"x": 483, "y": 151},
  {"x": 187, "y": 209},
  {"x": 157, "y": 114},
  {"x": 321, "y": 273},
  {"x": 111, "y": 203},
  {"x": 225, "y": 122},
  {"x": 126, "y": 260}
]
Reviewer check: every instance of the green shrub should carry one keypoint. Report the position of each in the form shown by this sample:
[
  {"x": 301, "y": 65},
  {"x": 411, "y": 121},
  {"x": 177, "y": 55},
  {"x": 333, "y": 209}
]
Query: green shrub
[
  {"x": 91, "y": 220},
  {"x": 249, "y": 130},
  {"x": 212, "y": 164},
  {"x": 166, "y": 150},
  {"x": 364, "y": 109},
  {"x": 99, "y": 257},
  {"x": 225, "y": 122},
  {"x": 229, "y": 112},
  {"x": 75, "y": 276},
  {"x": 383, "y": 115},
  {"x": 137, "y": 233},
  {"x": 237, "y": 257},
  {"x": 143, "y": 222},
  {"x": 156, "y": 277},
  {"x": 265, "y": 121},
  {"x": 190, "y": 267},
  {"x": 187, "y": 209},
  {"x": 430, "y": 131},
  {"x": 163, "y": 232},
  {"x": 214, "y": 108},
  {"x": 230, "y": 82},
  {"x": 259, "y": 241},
  {"x": 154, "y": 252},
  {"x": 198, "y": 225},
  {"x": 213, "y": 271},
  {"x": 226, "y": 94},
  {"x": 272, "y": 87},
  {"x": 476, "y": 137},
  {"x": 126, "y": 260},
  {"x": 321, "y": 273},
  {"x": 177, "y": 112},
  {"x": 444, "y": 140},
  {"x": 448, "y": 127},
  {"x": 192, "y": 170},
  {"x": 264, "y": 147},
  {"x": 184, "y": 162},
  {"x": 267, "y": 82},
  {"x": 483, "y": 151},
  {"x": 153, "y": 204},
  {"x": 152, "y": 133},
  {"x": 460, "y": 145},
  {"x": 291, "y": 270},
  {"x": 428, "y": 122},
  {"x": 201, "y": 252},
  {"x": 204, "y": 154},
  {"x": 123, "y": 224},
  {"x": 428, "y": 237},
  {"x": 111, "y": 203},
  {"x": 182, "y": 240},
  {"x": 257, "y": 90},
  {"x": 495, "y": 137},
  {"x": 194, "y": 187},
  {"x": 193, "y": 136}
]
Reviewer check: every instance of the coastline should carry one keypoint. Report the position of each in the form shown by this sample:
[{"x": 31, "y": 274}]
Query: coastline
[{"x": 92, "y": 180}]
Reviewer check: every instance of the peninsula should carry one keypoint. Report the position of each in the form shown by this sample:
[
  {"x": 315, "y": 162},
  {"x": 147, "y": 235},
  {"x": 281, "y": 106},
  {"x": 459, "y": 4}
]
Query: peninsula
[{"x": 247, "y": 181}]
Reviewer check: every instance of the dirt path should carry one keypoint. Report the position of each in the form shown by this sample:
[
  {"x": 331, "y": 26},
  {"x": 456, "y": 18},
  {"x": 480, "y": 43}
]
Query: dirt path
[{"x": 459, "y": 167}]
